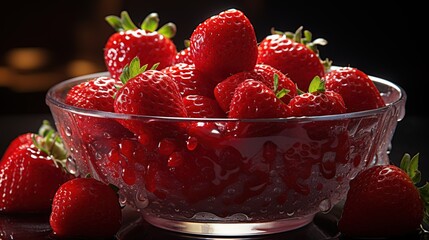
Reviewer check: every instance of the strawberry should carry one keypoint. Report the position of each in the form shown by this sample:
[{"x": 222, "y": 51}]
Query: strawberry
[
  {"x": 294, "y": 55},
  {"x": 198, "y": 106},
  {"x": 224, "y": 91},
  {"x": 252, "y": 99},
  {"x": 148, "y": 44},
  {"x": 85, "y": 207},
  {"x": 190, "y": 80},
  {"x": 151, "y": 93},
  {"x": 31, "y": 172},
  {"x": 224, "y": 44},
  {"x": 356, "y": 88},
  {"x": 317, "y": 101},
  {"x": 96, "y": 94},
  {"x": 383, "y": 201},
  {"x": 184, "y": 55},
  {"x": 271, "y": 77}
]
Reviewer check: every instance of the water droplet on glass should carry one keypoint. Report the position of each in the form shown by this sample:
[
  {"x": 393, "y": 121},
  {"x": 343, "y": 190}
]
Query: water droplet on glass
[
  {"x": 71, "y": 165},
  {"x": 290, "y": 214},
  {"x": 325, "y": 205},
  {"x": 68, "y": 132}
]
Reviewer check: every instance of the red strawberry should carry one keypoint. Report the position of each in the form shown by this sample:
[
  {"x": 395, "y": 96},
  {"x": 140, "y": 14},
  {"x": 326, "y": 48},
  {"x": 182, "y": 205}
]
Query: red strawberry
[
  {"x": 148, "y": 44},
  {"x": 268, "y": 73},
  {"x": 224, "y": 91},
  {"x": 384, "y": 202},
  {"x": 96, "y": 94},
  {"x": 356, "y": 88},
  {"x": 190, "y": 80},
  {"x": 22, "y": 141},
  {"x": 317, "y": 101},
  {"x": 252, "y": 99},
  {"x": 271, "y": 77},
  {"x": 85, "y": 207},
  {"x": 224, "y": 44},
  {"x": 184, "y": 56},
  {"x": 151, "y": 93},
  {"x": 293, "y": 55},
  {"x": 29, "y": 173},
  {"x": 202, "y": 107}
]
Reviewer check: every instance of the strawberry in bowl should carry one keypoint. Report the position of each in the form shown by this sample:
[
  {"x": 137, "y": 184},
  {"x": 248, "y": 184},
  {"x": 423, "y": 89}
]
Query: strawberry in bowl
[{"x": 223, "y": 141}]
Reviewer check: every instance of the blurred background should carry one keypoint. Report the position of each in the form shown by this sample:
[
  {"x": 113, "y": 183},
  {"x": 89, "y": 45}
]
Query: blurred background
[{"x": 45, "y": 42}]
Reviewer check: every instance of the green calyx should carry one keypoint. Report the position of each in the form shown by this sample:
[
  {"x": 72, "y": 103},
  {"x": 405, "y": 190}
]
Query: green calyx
[
  {"x": 150, "y": 24},
  {"x": 133, "y": 69},
  {"x": 316, "y": 85},
  {"x": 279, "y": 93},
  {"x": 306, "y": 37},
  {"x": 410, "y": 166},
  {"x": 49, "y": 141}
]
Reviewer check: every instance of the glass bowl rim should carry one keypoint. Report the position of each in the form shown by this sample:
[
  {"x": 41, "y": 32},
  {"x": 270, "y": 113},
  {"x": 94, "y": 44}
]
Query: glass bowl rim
[{"x": 53, "y": 100}]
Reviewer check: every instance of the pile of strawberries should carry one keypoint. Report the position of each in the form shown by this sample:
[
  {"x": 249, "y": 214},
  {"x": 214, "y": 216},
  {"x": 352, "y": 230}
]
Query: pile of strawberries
[{"x": 224, "y": 72}]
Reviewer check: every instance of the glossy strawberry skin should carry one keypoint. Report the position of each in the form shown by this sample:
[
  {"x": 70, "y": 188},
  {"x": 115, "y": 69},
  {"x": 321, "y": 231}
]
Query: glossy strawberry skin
[
  {"x": 382, "y": 202},
  {"x": 85, "y": 207},
  {"x": 224, "y": 91},
  {"x": 149, "y": 47},
  {"x": 356, "y": 88},
  {"x": 317, "y": 104},
  {"x": 252, "y": 99},
  {"x": 224, "y": 44},
  {"x": 22, "y": 141},
  {"x": 294, "y": 59},
  {"x": 29, "y": 180},
  {"x": 184, "y": 56},
  {"x": 190, "y": 80},
  {"x": 151, "y": 93},
  {"x": 202, "y": 107}
]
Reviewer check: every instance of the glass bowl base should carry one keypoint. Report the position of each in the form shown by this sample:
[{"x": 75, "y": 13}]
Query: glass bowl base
[{"x": 229, "y": 229}]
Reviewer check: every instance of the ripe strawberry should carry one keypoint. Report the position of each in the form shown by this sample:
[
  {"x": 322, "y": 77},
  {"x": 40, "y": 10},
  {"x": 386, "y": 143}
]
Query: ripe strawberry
[
  {"x": 224, "y": 44},
  {"x": 202, "y": 107},
  {"x": 190, "y": 80},
  {"x": 96, "y": 94},
  {"x": 384, "y": 202},
  {"x": 224, "y": 91},
  {"x": 85, "y": 207},
  {"x": 148, "y": 44},
  {"x": 184, "y": 55},
  {"x": 317, "y": 101},
  {"x": 252, "y": 99},
  {"x": 30, "y": 172},
  {"x": 268, "y": 73},
  {"x": 356, "y": 88},
  {"x": 22, "y": 141},
  {"x": 151, "y": 93},
  {"x": 295, "y": 56}
]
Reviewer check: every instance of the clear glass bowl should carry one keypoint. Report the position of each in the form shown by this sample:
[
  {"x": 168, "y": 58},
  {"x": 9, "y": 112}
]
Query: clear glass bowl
[{"x": 274, "y": 178}]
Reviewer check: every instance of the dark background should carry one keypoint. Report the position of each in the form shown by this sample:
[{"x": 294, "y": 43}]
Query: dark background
[{"x": 384, "y": 41}]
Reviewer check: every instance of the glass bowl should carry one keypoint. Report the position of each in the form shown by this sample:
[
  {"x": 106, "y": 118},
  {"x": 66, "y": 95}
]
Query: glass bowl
[{"x": 274, "y": 177}]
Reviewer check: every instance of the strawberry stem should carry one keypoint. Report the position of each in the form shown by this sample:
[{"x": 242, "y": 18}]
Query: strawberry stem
[
  {"x": 150, "y": 24},
  {"x": 133, "y": 69},
  {"x": 49, "y": 141},
  {"x": 306, "y": 37}
]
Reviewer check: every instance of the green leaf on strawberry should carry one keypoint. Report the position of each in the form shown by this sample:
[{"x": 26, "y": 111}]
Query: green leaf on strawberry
[
  {"x": 150, "y": 24},
  {"x": 133, "y": 69},
  {"x": 316, "y": 85}
]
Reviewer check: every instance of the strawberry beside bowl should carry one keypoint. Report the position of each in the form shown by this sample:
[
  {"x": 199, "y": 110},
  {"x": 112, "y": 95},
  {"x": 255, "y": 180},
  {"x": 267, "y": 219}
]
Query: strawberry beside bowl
[{"x": 188, "y": 176}]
